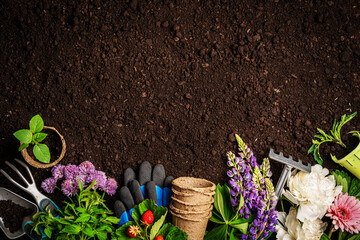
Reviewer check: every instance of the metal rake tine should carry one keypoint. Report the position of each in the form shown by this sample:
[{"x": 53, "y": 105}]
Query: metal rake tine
[
  {"x": 27, "y": 169},
  {"x": 18, "y": 173},
  {"x": 12, "y": 180}
]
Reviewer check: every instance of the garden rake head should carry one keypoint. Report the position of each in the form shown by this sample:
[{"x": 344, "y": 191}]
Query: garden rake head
[{"x": 289, "y": 163}]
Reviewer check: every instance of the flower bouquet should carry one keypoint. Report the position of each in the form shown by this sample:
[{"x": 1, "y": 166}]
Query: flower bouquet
[
  {"x": 318, "y": 198},
  {"x": 244, "y": 209}
]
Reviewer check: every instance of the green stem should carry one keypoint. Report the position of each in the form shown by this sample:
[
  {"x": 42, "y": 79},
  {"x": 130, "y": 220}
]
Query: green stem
[
  {"x": 330, "y": 233},
  {"x": 282, "y": 204}
]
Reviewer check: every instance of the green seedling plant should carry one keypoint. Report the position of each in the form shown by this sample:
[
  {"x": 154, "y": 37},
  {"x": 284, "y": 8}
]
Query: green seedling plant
[
  {"x": 229, "y": 224},
  {"x": 138, "y": 229},
  {"x": 334, "y": 136},
  {"x": 34, "y": 136},
  {"x": 85, "y": 218}
]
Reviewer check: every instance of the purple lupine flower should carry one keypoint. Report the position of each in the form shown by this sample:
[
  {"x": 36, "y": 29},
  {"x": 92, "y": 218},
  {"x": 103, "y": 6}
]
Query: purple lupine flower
[
  {"x": 110, "y": 186},
  {"x": 248, "y": 182},
  {"x": 49, "y": 185},
  {"x": 230, "y": 173},
  {"x": 68, "y": 187},
  {"x": 58, "y": 171},
  {"x": 71, "y": 171}
]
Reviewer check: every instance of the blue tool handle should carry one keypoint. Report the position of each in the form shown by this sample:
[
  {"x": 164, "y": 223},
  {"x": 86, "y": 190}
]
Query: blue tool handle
[
  {"x": 32, "y": 234},
  {"x": 46, "y": 204}
]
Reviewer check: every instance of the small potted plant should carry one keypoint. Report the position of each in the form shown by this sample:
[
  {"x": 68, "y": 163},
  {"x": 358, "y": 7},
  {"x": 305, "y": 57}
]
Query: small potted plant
[
  {"x": 34, "y": 136},
  {"x": 352, "y": 160}
]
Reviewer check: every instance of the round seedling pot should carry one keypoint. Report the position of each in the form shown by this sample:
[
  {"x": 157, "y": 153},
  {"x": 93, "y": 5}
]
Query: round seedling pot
[
  {"x": 36, "y": 163},
  {"x": 192, "y": 214},
  {"x": 195, "y": 228},
  {"x": 189, "y": 206},
  {"x": 351, "y": 161},
  {"x": 191, "y": 185},
  {"x": 196, "y": 198}
]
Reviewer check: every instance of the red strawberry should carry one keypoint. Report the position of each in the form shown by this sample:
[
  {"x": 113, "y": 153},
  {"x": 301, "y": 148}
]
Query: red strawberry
[
  {"x": 148, "y": 218},
  {"x": 159, "y": 238},
  {"x": 132, "y": 231}
]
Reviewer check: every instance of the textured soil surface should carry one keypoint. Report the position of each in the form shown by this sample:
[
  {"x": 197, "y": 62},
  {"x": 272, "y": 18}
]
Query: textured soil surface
[
  {"x": 13, "y": 214},
  {"x": 170, "y": 82}
]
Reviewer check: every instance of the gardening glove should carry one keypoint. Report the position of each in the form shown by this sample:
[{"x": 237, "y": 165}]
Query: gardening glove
[{"x": 152, "y": 184}]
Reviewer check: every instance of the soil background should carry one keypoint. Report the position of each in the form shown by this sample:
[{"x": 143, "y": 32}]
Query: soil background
[{"x": 170, "y": 82}]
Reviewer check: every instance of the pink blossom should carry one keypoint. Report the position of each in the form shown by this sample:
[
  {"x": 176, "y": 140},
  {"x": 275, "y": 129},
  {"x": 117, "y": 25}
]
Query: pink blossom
[{"x": 345, "y": 213}]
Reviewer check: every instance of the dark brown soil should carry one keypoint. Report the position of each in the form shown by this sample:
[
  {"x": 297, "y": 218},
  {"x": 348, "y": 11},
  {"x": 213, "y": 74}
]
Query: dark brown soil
[
  {"x": 13, "y": 214},
  {"x": 172, "y": 81}
]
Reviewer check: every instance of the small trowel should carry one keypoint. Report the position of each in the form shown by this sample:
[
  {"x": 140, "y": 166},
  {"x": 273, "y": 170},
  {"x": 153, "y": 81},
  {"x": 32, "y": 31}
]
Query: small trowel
[{"x": 289, "y": 164}]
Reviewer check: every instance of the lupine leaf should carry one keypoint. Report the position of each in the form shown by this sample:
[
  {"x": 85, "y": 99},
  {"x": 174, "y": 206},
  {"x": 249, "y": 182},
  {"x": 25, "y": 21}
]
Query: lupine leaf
[{"x": 219, "y": 232}]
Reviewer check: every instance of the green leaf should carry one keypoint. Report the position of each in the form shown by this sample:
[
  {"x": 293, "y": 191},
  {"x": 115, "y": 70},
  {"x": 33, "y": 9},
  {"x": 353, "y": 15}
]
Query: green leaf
[
  {"x": 113, "y": 220},
  {"x": 317, "y": 156},
  {"x": 23, "y": 135},
  {"x": 23, "y": 146},
  {"x": 101, "y": 235},
  {"x": 48, "y": 232},
  {"x": 222, "y": 202},
  {"x": 342, "y": 179},
  {"x": 63, "y": 221},
  {"x": 176, "y": 234},
  {"x": 164, "y": 231},
  {"x": 311, "y": 149},
  {"x": 216, "y": 219},
  {"x": 324, "y": 237},
  {"x": 355, "y": 188},
  {"x": 81, "y": 209},
  {"x": 219, "y": 232},
  {"x": 242, "y": 227},
  {"x": 88, "y": 231},
  {"x": 71, "y": 229},
  {"x": 83, "y": 218},
  {"x": 38, "y": 137},
  {"x": 156, "y": 227},
  {"x": 42, "y": 153},
  {"x": 36, "y": 124},
  {"x": 322, "y": 133}
]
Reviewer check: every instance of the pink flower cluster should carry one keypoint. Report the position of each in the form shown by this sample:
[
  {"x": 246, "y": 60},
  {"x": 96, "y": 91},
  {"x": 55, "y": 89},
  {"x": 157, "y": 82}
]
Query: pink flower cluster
[{"x": 71, "y": 174}]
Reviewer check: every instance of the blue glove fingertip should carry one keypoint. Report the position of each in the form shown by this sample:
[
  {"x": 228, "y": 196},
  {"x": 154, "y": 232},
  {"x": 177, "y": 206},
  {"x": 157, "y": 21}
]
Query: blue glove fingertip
[
  {"x": 166, "y": 197},
  {"x": 159, "y": 194},
  {"x": 123, "y": 219}
]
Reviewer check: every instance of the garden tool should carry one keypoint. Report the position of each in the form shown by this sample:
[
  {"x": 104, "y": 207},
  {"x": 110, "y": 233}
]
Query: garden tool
[
  {"x": 41, "y": 200},
  {"x": 289, "y": 164},
  {"x": 152, "y": 184},
  {"x": 6, "y": 194}
]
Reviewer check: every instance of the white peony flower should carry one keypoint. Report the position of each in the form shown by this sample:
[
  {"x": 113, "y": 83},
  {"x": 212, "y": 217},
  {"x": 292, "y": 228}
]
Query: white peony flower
[
  {"x": 312, "y": 229},
  {"x": 314, "y": 192},
  {"x": 289, "y": 227}
]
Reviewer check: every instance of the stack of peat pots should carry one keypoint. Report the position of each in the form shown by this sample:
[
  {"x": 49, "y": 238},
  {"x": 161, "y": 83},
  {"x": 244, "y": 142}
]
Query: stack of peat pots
[{"x": 191, "y": 205}]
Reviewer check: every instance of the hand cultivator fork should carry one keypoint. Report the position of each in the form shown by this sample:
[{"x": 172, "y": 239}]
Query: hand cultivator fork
[
  {"x": 289, "y": 164},
  {"x": 41, "y": 200}
]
